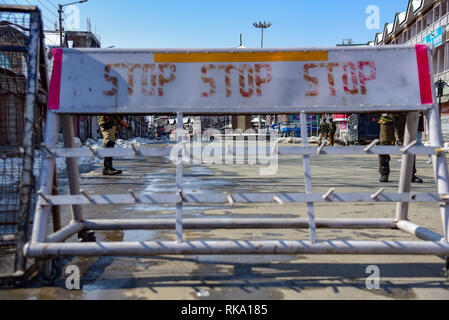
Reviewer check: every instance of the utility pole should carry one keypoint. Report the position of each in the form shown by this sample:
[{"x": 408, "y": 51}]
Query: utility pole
[
  {"x": 262, "y": 26},
  {"x": 60, "y": 12}
]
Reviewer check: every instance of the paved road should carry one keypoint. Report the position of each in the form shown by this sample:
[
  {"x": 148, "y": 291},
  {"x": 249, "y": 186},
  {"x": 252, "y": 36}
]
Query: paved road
[{"x": 252, "y": 277}]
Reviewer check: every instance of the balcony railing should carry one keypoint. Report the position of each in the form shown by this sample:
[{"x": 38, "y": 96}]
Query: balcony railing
[{"x": 444, "y": 20}]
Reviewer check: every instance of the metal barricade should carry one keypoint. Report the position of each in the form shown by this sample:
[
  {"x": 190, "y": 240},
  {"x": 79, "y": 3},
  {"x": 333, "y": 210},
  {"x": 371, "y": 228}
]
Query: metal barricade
[
  {"x": 214, "y": 82},
  {"x": 22, "y": 110}
]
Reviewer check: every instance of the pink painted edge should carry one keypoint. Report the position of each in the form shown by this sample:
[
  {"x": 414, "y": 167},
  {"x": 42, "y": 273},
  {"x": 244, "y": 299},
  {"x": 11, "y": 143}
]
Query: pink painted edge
[
  {"x": 424, "y": 74},
  {"x": 55, "y": 82}
]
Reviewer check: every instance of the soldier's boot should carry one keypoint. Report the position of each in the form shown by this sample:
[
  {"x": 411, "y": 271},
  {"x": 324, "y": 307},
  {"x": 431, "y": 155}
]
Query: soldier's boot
[
  {"x": 384, "y": 168},
  {"x": 109, "y": 169}
]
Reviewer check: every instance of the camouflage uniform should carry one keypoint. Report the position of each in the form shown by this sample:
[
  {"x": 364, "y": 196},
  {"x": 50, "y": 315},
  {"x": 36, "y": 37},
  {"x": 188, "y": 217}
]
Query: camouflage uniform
[
  {"x": 332, "y": 131},
  {"x": 392, "y": 129},
  {"x": 109, "y": 129},
  {"x": 324, "y": 130}
]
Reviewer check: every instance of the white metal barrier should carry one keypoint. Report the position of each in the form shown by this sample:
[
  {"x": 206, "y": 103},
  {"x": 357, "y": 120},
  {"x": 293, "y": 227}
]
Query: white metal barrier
[{"x": 199, "y": 82}]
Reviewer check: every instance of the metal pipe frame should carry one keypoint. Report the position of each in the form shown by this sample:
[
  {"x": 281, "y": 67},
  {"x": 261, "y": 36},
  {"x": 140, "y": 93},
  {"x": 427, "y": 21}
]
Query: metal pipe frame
[
  {"x": 239, "y": 150},
  {"x": 52, "y": 246},
  {"x": 226, "y": 223},
  {"x": 405, "y": 180},
  {"x": 244, "y": 198},
  {"x": 40, "y": 226},
  {"x": 308, "y": 178},
  {"x": 49, "y": 250},
  {"x": 72, "y": 165},
  {"x": 45, "y": 247}
]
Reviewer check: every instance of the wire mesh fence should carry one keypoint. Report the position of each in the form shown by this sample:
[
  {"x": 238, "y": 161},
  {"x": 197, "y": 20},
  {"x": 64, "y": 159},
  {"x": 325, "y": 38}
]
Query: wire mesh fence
[{"x": 14, "y": 38}]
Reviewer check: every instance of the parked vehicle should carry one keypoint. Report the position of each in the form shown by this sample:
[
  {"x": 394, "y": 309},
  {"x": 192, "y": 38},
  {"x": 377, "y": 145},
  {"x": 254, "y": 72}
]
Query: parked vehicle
[{"x": 363, "y": 128}]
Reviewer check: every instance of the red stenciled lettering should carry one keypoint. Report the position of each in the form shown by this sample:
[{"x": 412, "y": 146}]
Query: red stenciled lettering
[
  {"x": 210, "y": 81},
  {"x": 363, "y": 77},
  {"x": 259, "y": 79},
  {"x": 153, "y": 80},
  {"x": 355, "y": 84},
  {"x": 246, "y": 69},
  {"x": 131, "y": 67},
  {"x": 330, "y": 73},
  {"x": 313, "y": 81},
  {"x": 109, "y": 78},
  {"x": 163, "y": 80},
  {"x": 227, "y": 68}
]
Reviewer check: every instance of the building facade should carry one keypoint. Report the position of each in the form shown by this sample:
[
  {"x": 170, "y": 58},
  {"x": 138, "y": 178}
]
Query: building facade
[{"x": 423, "y": 22}]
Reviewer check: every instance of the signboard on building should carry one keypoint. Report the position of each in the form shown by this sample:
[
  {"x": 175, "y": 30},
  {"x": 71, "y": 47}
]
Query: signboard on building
[
  {"x": 435, "y": 38},
  {"x": 98, "y": 81}
]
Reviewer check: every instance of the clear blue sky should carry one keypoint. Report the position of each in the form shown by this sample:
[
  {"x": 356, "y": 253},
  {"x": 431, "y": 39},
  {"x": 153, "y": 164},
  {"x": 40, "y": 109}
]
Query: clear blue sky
[{"x": 218, "y": 24}]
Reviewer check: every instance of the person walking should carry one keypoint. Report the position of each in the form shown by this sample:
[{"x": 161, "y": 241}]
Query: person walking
[{"x": 109, "y": 129}]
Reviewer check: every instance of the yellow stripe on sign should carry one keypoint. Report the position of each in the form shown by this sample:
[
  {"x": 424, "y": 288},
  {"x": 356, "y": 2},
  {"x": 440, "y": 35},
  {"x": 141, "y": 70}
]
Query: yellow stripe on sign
[{"x": 241, "y": 57}]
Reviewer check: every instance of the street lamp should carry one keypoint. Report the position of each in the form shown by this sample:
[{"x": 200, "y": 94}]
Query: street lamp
[
  {"x": 262, "y": 26},
  {"x": 60, "y": 6},
  {"x": 440, "y": 84}
]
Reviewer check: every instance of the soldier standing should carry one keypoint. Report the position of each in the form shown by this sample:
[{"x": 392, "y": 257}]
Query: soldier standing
[
  {"x": 109, "y": 129},
  {"x": 332, "y": 131},
  {"x": 392, "y": 128},
  {"x": 323, "y": 130}
]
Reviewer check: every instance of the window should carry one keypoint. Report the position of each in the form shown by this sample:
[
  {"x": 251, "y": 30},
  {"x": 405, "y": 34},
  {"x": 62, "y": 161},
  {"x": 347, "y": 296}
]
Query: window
[
  {"x": 443, "y": 8},
  {"x": 419, "y": 26},
  {"x": 436, "y": 12},
  {"x": 427, "y": 20}
]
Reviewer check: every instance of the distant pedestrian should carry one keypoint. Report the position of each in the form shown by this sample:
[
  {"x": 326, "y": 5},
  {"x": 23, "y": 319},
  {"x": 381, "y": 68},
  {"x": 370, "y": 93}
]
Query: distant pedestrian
[
  {"x": 323, "y": 130},
  {"x": 332, "y": 131}
]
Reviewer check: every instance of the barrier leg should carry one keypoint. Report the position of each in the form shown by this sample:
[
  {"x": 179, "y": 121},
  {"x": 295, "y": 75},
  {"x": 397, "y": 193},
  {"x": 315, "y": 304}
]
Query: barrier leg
[
  {"x": 440, "y": 165},
  {"x": 179, "y": 179},
  {"x": 73, "y": 173},
  {"x": 308, "y": 178},
  {"x": 40, "y": 225},
  {"x": 405, "y": 183}
]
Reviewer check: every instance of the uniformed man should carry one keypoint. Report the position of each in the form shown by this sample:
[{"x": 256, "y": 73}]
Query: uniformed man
[
  {"x": 392, "y": 129},
  {"x": 332, "y": 131},
  {"x": 109, "y": 129},
  {"x": 323, "y": 130}
]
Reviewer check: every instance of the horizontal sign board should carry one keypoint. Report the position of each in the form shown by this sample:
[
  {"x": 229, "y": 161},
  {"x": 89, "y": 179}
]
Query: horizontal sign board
[
  {"x": 435, "y": 38},
  {"x": 105, "y": 81}
]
